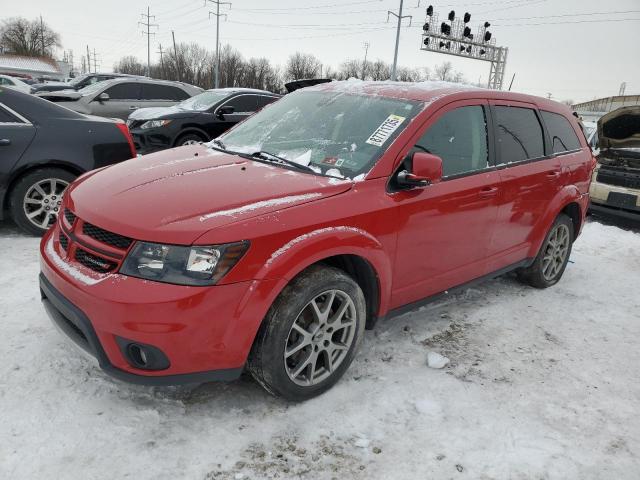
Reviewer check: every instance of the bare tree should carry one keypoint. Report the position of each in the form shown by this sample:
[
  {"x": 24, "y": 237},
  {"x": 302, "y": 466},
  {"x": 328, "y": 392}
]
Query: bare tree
[
  {"x": 302, "y": 65},
  {"x": 130, "y": 65},
  {"x": 445, "y": 72},
  {"x": 379, "y": 70},
  {"x": 32, "y": 38},
  {"x": 350, "y": 69}
]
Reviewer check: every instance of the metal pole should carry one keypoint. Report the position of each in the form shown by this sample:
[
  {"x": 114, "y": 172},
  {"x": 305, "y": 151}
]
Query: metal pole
[
  {"x": 148, "y": 43},
  {"x": 217, "y": 44},
  {"x": 42, "y": 34},
  {"x": 364, "y": 64},
  {"x": 95, "y": 61},
  {"x": 395, "y": 54},
  {"x": 175, "y": 53},
  {"x": 88, "y": 60},
  {"x": 511, "y": 84}
]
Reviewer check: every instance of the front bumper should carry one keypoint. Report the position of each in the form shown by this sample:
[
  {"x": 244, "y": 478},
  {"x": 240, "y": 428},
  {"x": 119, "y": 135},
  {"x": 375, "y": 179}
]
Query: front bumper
[
  {"x": 206, "y": 333},
  {"x": 618, "y": 200},
  {"x": 151, "y": 140}
]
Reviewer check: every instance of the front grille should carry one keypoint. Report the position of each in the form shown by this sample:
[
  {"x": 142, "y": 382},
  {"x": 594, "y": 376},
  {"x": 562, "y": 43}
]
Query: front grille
[
  {"x": 620, "y": 178},
  {"x": 101, "y": 235},
  {"x": 69, "y": 215},
  {"x": 95, "y": 263},
  {"x": 64, "y": 241}
]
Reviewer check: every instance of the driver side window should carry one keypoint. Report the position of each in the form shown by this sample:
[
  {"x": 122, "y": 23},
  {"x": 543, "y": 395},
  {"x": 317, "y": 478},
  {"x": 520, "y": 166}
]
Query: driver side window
[{"x": 459, "y": 137}]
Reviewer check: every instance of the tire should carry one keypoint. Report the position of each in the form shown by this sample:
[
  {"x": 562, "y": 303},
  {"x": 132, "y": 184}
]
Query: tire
[
  {"x": 551, "y": 261},
  {"x": 32, "y": 193},
  {"x": 276, "y": 370},
  {"x": 189, "y": 139}
]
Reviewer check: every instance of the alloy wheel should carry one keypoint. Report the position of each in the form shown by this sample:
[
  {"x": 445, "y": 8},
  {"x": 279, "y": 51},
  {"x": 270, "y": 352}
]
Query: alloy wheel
[
  {"x": 191, "y": 142},
  {"x": 555, "y": 252},
  {"x": 320, "y": 338},
  {"x": 42, "y": 201}
]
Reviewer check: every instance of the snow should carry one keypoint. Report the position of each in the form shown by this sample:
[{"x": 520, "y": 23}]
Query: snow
[
  {"x": 437, "y": 361},
  {"x": 274, "y": 202},
  {"x": 541, "y": 384}
]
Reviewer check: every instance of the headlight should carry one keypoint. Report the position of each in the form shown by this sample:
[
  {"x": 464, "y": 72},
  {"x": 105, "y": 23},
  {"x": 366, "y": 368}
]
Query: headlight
[
  {"x": 196, "y": 265},
  {"x": 155, "y": 123}
]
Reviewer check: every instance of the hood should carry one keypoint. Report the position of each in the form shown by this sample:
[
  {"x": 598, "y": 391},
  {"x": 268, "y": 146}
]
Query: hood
[
  {"x": 620, "y": 129},
  {"x": 161, "y": 112},
  {"x": 177, "y": 195},
  {"x": 43, "y": 87},
  {"x": 68, "y": 94}
]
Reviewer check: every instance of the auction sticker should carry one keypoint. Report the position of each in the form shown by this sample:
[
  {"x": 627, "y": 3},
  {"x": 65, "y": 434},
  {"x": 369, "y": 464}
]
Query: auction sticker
[{"x": 384, "y": 131}]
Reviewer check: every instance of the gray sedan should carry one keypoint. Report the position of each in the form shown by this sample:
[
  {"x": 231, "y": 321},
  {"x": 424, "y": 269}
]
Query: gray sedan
[{"x": 117, "y": 98}]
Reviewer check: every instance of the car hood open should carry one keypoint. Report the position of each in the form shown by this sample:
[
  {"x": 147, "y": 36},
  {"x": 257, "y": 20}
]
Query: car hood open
[
  {"x": 620, "y": 128},
  {"x": 176, "y": 195}
]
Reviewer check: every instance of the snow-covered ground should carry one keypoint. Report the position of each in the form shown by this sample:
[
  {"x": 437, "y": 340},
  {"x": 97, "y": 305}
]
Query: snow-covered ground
[{"x": 541, "y": 384}]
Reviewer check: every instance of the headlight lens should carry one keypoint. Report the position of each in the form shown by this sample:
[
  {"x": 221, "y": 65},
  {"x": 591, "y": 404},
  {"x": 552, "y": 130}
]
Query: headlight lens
[
  {"x": 196, "y": 265},
  {"x": 155, "y": 123}
]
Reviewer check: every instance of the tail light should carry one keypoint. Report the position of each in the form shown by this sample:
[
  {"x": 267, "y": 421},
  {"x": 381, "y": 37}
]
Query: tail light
[{"x": 125, "y": 131}]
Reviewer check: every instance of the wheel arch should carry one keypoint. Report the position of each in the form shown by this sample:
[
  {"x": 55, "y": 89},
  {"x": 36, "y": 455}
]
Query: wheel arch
[{"x": 191, "y": 130}]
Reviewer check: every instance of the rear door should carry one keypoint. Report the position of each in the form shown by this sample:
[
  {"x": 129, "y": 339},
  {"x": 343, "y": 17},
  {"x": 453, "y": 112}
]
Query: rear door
[
  {"x": 16, "y": 133},
  {"x": 124, "y": 98},
  {"x": 529, "y": 177},
  {"x": 155, "y": 95}
]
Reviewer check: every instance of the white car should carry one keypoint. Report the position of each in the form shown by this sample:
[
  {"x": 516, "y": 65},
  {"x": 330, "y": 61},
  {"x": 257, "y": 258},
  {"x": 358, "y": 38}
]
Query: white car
[{"x": 16, "y": 84}]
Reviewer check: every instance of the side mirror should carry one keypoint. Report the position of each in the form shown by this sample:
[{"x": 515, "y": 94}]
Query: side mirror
[
  {"x": 426, "y": 169},
  {"x": 103, "y": 97},
  {"x": 226, "y": 110}
]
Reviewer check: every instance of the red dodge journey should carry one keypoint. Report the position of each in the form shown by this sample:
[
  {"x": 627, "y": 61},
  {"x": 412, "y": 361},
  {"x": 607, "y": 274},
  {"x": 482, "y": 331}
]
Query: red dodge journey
[{"x": 273, "y": 247}]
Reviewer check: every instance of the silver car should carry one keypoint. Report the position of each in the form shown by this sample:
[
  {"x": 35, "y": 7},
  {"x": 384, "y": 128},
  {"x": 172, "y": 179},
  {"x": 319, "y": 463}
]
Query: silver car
[{"x": 118, "y": 97}]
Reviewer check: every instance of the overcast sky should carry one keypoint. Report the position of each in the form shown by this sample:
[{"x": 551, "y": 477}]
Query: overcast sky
[{"x": 587, "y": 58}]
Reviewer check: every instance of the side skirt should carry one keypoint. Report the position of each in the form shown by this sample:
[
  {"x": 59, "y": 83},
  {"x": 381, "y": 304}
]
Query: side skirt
[{"x": 432, "y": 298}]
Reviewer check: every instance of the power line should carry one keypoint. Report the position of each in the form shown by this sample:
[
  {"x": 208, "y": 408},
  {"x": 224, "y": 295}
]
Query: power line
[
  {"x": 319, "y": 6},
  {"x": 148, "y": 33},
  {"x": 571, "y": 15},
  {"x": 567, "y": 22}
]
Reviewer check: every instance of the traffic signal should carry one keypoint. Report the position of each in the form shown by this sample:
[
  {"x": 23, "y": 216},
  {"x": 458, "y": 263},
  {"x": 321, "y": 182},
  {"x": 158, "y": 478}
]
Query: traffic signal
[
  {"x": 430, "y": 10},
  {"x": 487, "y": 36},
  {"x": 445, "y": 28},
  {"x": 467, "y": 17},
  {"x": 452, "y": 15}
]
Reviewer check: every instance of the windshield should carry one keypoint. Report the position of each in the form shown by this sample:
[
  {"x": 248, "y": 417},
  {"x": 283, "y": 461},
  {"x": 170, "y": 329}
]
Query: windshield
[
  {"x": 77, "y": 80},
  {"x": 334, "y": 133},
  {"x": 204, "y": 101},
  {"x": 90, "y": 89}
]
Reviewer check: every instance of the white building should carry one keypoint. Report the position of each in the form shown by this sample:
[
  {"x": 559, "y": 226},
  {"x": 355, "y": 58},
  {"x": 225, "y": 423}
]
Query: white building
[{"x": 31, "y": 67}]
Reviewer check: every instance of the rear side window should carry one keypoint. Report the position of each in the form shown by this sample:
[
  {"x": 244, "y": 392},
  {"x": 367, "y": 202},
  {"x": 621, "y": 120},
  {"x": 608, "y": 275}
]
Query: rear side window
[
  {"x": 563, "y": 136},
  {"x": 6, "y": 117},
  {"x": 518, "y": 134},
  {"x": 459, "y": 137},
  {"x": 243, "y": 103},
  {"x": 124, "y": 91},
  {"x": 264, "y": 101},
  {"x": 161, "y": 92}
]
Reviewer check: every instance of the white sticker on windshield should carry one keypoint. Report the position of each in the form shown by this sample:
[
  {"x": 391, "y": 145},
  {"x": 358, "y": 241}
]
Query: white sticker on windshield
[{"x": 384, "y": 131}]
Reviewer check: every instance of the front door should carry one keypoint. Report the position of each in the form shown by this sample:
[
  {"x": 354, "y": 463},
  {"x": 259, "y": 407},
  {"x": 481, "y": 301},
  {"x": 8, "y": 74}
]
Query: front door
[
  {"x": 124, "y": 98},
  {"x": 16, "y": 133},
  {"x": 445, "y": 229}
]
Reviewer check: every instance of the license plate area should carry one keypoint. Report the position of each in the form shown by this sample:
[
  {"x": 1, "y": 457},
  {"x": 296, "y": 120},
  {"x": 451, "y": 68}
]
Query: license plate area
[{"x": 622, "y": 200}]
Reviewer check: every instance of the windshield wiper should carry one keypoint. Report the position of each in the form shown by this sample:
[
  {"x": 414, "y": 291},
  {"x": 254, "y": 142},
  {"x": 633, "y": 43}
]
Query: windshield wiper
[
  {"x": 219, "y": 143},
  {"x": 272, "y": 157}
]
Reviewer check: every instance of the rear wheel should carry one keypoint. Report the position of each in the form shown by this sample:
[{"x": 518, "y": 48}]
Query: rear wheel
[
  {"x": 552, "y": 259},
  {"x": 35, "y": 200},
  {"x": 189, "y": 139},
  {"x": 310, "y": 335}
]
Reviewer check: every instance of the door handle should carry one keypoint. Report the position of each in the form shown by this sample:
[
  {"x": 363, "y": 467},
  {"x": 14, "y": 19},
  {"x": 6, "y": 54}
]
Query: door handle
[
  {"x": 488, "y": 192},
  {"x": 553, "y": 175},
  {"x": 4, "y": 142}
]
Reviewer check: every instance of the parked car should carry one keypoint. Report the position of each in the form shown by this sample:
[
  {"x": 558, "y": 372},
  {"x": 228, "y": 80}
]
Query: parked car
[
  {"x": 78, "y": 83},
  {"x": 197, "y": 119},
  {"x": 591, "y": 132},
  {"x": 615, "y": 188},
  {"x": 119, "y": 97},
  {"x": 271, "y": 247},
  {"x": 43, "y": 147},
  {"x": 14, "y": 83}
]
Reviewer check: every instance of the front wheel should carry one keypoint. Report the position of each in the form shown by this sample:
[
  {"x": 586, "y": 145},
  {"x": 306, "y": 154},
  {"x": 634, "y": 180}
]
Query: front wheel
[
  {"x": 551, "y": 261},
  {"x": 36, "y": 199},
  {"x": 189, "y": 139},
  {"x": 310, "y": 334}
]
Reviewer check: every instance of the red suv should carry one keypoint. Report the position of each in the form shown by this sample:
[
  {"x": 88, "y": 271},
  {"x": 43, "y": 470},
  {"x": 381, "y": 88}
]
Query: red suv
[{"x": 271, "y": 248}]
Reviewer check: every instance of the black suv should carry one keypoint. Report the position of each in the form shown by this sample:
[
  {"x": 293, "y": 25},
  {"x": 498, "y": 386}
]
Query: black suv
[
  {"x": 197, "y": 119},
  {"x": 77, "y": 83}
]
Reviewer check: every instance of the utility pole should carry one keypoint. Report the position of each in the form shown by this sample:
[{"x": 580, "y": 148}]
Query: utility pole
[
  {"x": 95, "y": 61},
  {"x": 148, "y": 33},
  {"x": 399, "y": 16},
  {"x": 175, "y": 53},
  {"x": 216, "y": 71},
  {"x": 42, "y": 34},
  {"x": 161, "y": 59},
  {"x": 364, "y": 64},
  {"x": 88, "y": 60}
]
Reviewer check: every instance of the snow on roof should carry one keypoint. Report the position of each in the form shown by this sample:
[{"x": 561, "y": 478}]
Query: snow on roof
[
  {"x": 410, "y": 90},
  {"x": 33, "y": 64},
  {"x": 239, "y": 89}
]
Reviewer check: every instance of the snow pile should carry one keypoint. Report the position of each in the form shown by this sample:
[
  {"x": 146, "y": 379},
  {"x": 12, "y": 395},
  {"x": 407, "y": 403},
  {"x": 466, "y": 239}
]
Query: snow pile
[{"x": 435, "y": 360}]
